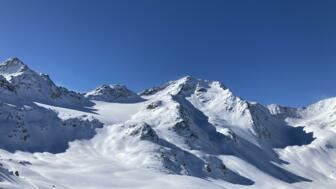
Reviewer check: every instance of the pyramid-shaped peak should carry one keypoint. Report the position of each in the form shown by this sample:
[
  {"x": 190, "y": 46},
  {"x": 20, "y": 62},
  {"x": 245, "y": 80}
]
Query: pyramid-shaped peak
[
  {"x": 191, "y": 82},
  {"x": 13, "y": 66},
  {"x": 186, "y": 79},
  {"x": 186, "y": 83},
  {"x": 14, "y": 62}
]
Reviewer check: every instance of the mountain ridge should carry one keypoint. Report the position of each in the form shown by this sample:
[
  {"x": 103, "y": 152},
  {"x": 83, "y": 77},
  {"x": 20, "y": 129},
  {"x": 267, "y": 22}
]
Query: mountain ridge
[{"x": 189, "y": 128}]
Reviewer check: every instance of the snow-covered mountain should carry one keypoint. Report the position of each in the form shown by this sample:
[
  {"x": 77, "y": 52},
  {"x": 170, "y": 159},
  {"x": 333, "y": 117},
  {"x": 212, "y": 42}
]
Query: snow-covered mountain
[
  {"x": 19, "y": 82},
  {"x": 187, "y": 133},
  {"x": 113, "y": 93}
]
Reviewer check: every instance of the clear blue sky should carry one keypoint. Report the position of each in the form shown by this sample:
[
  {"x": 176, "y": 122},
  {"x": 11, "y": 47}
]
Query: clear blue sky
[{"x": 278, "y": 51}]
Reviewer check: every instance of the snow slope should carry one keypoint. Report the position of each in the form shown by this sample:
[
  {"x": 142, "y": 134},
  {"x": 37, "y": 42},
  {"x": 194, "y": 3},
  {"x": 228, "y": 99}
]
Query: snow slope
[{"x": 187, "y": 133}]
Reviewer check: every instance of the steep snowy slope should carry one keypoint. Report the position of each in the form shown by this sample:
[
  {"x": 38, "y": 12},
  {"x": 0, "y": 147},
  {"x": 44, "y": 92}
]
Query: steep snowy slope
[
  {"x": 188, "y": 133},
  {"x": 317, "y": 160},
  {"x": 211, "y": 122}
]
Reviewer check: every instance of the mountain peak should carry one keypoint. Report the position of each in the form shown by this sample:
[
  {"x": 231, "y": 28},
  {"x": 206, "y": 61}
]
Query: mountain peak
[
  {"x": 109, "y": 87},
  {"x": 186, "y": 83},
  {"x": 192, "y": 81},
  {"x": 112, "y": 93},
  {"x": 14, "y": 62},
  {"x": 12, "y": 67},
  {"x": 187, "y": 78},
  {"x": 30, "y": 85}
]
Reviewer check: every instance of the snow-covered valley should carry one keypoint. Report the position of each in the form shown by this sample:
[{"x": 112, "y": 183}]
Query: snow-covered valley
[{"x": 187, "y": 133}]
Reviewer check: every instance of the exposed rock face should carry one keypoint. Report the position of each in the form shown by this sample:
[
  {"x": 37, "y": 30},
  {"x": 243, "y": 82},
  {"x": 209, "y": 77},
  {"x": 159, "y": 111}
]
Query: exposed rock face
[{"x": 113, "y": 93}]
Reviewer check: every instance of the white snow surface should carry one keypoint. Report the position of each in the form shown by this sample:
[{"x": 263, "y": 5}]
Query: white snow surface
[{"x": 188, "y": 133}]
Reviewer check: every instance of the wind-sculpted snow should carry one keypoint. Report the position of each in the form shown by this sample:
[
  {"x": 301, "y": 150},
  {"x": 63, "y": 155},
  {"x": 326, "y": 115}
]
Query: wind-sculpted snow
[{"x": 187, "y": 133}]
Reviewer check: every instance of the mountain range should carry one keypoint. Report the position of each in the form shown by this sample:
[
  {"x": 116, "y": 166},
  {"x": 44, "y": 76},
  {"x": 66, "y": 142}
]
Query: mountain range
[{"x": 187, "y": 133}]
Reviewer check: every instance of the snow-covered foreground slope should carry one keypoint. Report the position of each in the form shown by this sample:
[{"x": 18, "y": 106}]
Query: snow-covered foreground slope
[{"x": 188, "y": 133}]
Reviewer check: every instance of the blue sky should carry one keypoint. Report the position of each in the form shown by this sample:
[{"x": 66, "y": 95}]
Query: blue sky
[{"x": 267, "y": 51}]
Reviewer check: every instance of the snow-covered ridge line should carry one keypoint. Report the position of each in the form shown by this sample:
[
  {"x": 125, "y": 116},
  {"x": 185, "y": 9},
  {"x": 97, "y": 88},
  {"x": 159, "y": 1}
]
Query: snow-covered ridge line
[
  {"x": 187, "y": 133},
  {"x": 14, "y": 67}
]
